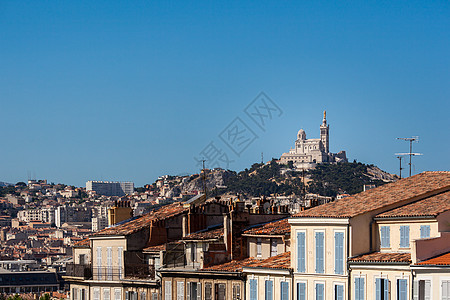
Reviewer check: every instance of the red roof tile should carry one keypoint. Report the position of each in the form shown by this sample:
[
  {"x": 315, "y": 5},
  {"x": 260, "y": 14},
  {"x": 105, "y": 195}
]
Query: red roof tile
[
  {"x": 206, "y": 235},
  {"x": 232, "y": 266},
  {"x": 420, "y": 185},
  {"x": 383, "y": 257},
  {"x": 281, "y": 261},
  {"x": 161, "y": 247},
  {"x": 432, "y": 206},
  {"x": 82, "y": 243},
  {"x": 441, "y": 260},
  {"x": 133, "y": 226},
  {"x": 280, "y": 227}
]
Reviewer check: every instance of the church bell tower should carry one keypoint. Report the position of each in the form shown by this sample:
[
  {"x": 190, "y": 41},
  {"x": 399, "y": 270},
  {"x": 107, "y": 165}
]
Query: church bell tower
[{"x": 324, "y": 133}]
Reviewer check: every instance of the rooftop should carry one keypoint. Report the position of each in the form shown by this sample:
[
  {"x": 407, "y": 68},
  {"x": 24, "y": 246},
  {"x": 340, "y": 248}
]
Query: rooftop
[
  {"x": 418, "y": 186},
  {"x": 206, "y": 234},
  {"x": 135, "y": 225},
  {"x": 280, "y": 227},
  {"x": 382, "y": 257},
  {"x": 281, "y": 261},
  {"x": 441, "y": 260},
  {"x": 432, "y": 206}
]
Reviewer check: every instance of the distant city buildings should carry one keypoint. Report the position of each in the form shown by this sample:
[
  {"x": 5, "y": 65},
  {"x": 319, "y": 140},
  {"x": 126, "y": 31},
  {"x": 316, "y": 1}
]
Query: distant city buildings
[{"x": 110, "y": 188}]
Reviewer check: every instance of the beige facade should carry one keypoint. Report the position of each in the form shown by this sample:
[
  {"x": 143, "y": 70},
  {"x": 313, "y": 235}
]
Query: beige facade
[
  {"x": 208, "y": 286},
  {"x": 264, "y": 276}
]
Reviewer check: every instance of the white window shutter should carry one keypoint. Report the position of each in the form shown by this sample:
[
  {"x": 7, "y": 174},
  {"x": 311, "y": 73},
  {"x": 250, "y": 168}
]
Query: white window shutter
[
  {"x": 188, "y": 291},
  {"x": 199, "y": 291}
]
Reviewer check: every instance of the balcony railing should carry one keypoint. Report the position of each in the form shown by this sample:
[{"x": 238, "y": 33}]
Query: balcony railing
[
  {"x": 76, "y": 270},
  {"x": 141, "y": 271},
  {"x": 107, "y": 273}
]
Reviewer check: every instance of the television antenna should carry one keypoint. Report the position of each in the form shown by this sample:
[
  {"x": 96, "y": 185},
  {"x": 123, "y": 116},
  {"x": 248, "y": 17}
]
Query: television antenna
[
  {"x": 411, "y": 140},
  {"x": 400, "y": 159}
]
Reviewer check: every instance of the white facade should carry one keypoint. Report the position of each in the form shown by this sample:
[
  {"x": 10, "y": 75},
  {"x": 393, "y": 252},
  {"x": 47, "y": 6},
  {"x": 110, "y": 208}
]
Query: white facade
[
  {"x": 307, "y": 153},
  {"x": 110, "y": 188}
]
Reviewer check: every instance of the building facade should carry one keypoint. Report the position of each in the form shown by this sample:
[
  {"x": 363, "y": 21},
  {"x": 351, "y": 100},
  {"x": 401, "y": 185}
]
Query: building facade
[{"x": 110, "y": 188}]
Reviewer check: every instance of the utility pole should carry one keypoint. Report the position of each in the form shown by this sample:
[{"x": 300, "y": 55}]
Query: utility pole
[
  {"x": 400, "y": 159},
  {"x": 411, "y": 154}
]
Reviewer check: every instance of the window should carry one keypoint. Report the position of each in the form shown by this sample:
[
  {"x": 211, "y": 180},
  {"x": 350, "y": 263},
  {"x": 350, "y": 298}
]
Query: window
[
  {"x": 119, "y": 260},
  {"x": 168, "y": 290},
  {"x": 359, "y": 288},
  {"x": 273, "y": 247},
  {"x": 154, "y": 296},
  {"x": 258, "y": 247},
  {"x": 193, "y": 252},
  {"x": 236, "y": 292},
  {"x": 385, "y": 236},
  {"x": 208, "y": 291},
  {"x": 338, "y": 292},
  {"x": 320, "y": 290},
  {"x": 404, "y": 236},
  {"x": 422, "y": 290},
  {"x": 74, "y": 294},
  {"x": 424, "y": 231},
  {"x": 402, "y": 289},
  {"x": 301, "y": 291},
  {"x": 143, "y": 296},
  {"x": 99, "y": 263},
  {"x": 83, "y": 294},
  {"x": 106, "y": 294},
  {"x": 180, "y": 290},
  {"x": 219, "y": 289},
  {"x": 445, "y": 290},
  {"x": 381, "y": 289},
  {"x": 269, "y": 290},
  {"x": 284, "y": 290},
  {"x": 339, "y": 252},
  {"x": 117, "y": 294},
  {"x": 109, "y": 262},
  {"x": 301, "y": 266},
  {"x": 194, "y": 291},
  {"x": 253, "y": 289},
  {"x": 319, "y": 252}
]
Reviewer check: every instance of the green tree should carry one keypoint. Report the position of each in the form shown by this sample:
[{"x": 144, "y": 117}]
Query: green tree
[{"x": 45, "y": 296}]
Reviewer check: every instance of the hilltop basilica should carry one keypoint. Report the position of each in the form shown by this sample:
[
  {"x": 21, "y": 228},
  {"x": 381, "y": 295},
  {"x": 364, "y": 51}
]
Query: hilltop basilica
[{"x": 307, "y": 153}]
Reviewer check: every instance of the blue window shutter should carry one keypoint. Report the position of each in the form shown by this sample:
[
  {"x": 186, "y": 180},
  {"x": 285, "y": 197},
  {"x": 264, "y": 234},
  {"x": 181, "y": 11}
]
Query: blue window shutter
[
  {"x": 301, "y": 291},
  {"x": 339, "y": 252},
  {"x": 339, "y": 290},
  {"x": 301, "y": 253},
  {"x": 269, "y": 290},
  {"x": 253, "y": 289},
  {"x": 284, "y": 290},
  {"x": 319, "y": 291},
  {"x": 402, "y": 286},
  {"x": 422, "y": 231},
  {"x": 388, "y": 236},
  {"x": 357, "y": 289},
  {"x": 319, "y": 253},
  {"x": 407, "y": 236},
  {"x": 386, "y": 288},
  {"x": 378, "y": 289}
]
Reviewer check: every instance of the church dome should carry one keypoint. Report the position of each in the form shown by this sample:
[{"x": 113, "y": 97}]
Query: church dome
[{"x": 301, "y": 135}]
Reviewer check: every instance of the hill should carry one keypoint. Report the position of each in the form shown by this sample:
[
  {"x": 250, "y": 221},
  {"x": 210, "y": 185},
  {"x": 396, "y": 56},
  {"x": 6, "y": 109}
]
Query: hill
[{"x": 274, "y": 178}]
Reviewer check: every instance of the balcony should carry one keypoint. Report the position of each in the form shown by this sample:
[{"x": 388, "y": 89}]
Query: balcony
[
  {"x": 140, "y": 271},
  {"x": 81, "y": 271},
  {"x": 107, "y": 273}
]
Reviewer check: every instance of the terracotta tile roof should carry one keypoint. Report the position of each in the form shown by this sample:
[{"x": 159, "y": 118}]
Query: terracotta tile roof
[
  {"x": 135, "y": 225},
  {"x": 383, "y": 257},
  {"x": 206, "y": 235},
  {"x": 420, "y": 185},
  {"x": 161, "y": 247},
  {"x": 441, "y": 260},
  {"x": 432, "y": 206},
  {"x": 232, "y": 266},
  {"x": 281, "y": 261},
  {"x": 280, "y": 227},
  {"x": 82, "y": 243}
]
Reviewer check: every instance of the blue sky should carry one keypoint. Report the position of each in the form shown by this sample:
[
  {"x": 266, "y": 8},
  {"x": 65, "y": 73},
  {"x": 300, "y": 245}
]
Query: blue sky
[{"x": 114, "y": 90}]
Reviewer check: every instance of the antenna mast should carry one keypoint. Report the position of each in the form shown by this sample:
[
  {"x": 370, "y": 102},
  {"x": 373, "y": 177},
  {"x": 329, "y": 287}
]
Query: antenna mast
[{"x": 411, "y": 154}]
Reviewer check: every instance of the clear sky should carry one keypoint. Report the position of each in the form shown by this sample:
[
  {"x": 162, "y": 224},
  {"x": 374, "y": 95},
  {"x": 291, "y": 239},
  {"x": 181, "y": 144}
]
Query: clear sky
[{"x": 120, "y": 90}]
